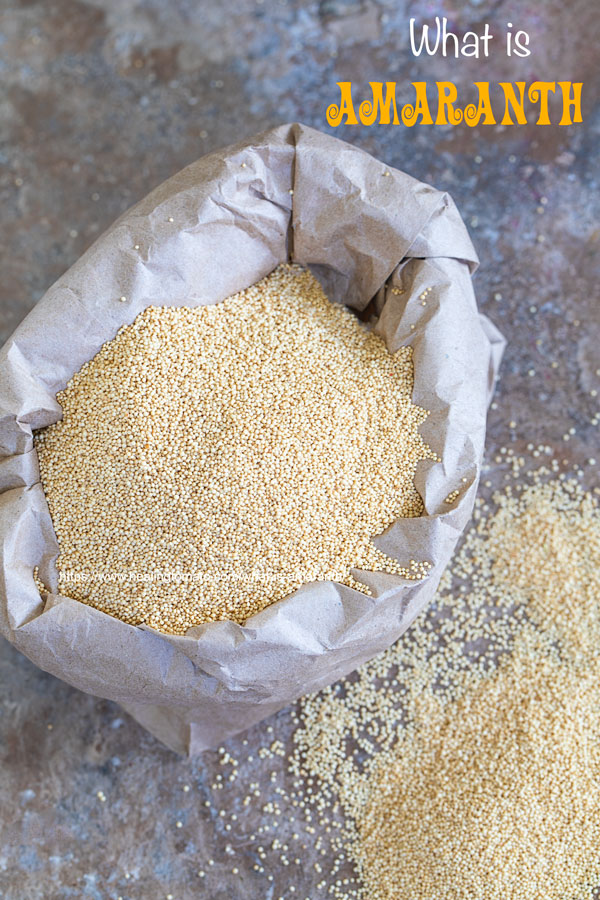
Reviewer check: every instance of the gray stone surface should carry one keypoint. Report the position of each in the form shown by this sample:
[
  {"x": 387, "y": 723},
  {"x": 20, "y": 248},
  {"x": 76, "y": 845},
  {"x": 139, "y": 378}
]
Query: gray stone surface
[{"x": 100, "y": 101}]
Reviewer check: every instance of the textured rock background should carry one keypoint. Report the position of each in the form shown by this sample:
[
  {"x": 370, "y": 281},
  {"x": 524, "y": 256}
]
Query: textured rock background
[{"x": 101, "y": 101}]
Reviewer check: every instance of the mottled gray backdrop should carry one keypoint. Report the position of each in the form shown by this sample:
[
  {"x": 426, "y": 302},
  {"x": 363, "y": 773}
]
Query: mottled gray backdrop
[{"x": 101, "y": 101}]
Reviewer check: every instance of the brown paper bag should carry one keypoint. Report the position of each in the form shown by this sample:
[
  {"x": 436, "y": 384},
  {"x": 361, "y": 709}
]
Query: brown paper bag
[{"x": 211, "y": 230}]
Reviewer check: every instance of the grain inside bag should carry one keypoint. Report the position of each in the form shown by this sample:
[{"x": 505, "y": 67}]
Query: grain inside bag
[{"x": 211, "y": 461}]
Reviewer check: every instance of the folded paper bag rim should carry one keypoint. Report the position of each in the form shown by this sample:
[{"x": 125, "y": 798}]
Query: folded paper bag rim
[{"x": 371, "y": 234}]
